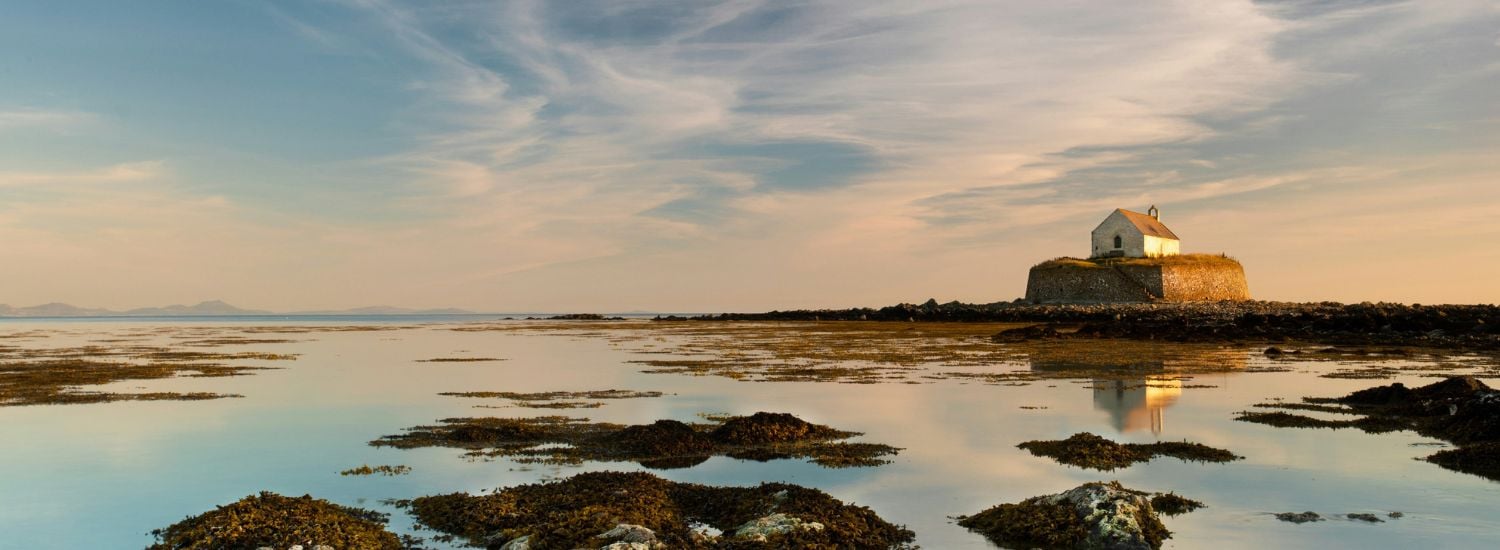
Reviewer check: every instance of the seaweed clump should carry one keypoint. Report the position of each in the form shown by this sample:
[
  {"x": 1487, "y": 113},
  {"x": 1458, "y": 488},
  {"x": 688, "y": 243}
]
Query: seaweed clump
[
  {"x": 557, "y": 399},
  {"x": 1087, "y": 450},
  {"x": 1092, "y": 515},
  {"x": 383, "y": 469},
  {"x": 590, "y": 510},
  {"x": 1299, "y": 517},
  {"x": 766, "y": 428},
  {"x": 663, "y": 444},
  {"x": 1173, "y": 504},
  {"x": 1029, "y": 524},
  {"x": 1481, "y": 459},
  {"x": 272, "y": 520},
  {"x": 59, "y": 381},
  {"x": 1460, "y": 409}
]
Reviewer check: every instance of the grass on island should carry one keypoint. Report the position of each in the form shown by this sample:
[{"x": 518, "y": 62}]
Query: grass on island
[{"x": 1176, "y": 260}]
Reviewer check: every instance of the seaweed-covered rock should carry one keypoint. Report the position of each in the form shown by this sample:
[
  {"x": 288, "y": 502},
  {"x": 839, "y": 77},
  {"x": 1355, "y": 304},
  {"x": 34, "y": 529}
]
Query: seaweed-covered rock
[
  {"x": 663, "y": 438},
  {"x": 762, "y": 528},
  {"x": 632, "y": 537},
  {"x": 1091, "y": 516},
  {"x": 664, "y": 444},
  {"x": 1458, "y": 409},
  {"x": 272, "y": 520},
  {"x": 588, "y": 510},
  {"x": 1173, "y": 504},
  {"x": 765, "y": 427},
  {"x": 1087, "y": 450},
  {"x": 1481, "y": 459},
  {"x": 1299, "y": 517}
]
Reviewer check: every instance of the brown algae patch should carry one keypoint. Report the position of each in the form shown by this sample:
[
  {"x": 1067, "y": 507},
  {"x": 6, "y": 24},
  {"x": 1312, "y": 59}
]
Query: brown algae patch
[
  {"x": 460, "y": 360},
  {"x": 1314, "y": 407},
  {"x": 663, "y": 444},
  {"x": 1288, "y": 420},
  {"x": 557, "y": 399},
  {"x": 1087, "y": 450},
  {"x": 1092, "y": 515},
  {"x": 1481, "y": 459},
  {"x": 588, "y": 510},
  {"x": 1173, "y": 504},
  {"x": 60, "y": 381},
  {"x": 1461, "y": 410},
  {"x": 1029, "y": 525},
  {"x": 870, "y": 352},
  {"x": 383, "y": 469},
  {"x": 275, "y": 521},
  {"x": 236, "y": 341},
  {"x": 1299, "y": 517}
]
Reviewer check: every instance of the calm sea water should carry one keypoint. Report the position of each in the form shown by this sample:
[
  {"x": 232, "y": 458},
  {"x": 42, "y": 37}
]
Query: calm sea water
[{"x": 104, "y": 475}]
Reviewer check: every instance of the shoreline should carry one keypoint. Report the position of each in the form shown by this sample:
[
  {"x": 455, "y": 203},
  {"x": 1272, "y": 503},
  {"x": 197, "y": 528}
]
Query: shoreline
[{"x": 1441, "y": 326}]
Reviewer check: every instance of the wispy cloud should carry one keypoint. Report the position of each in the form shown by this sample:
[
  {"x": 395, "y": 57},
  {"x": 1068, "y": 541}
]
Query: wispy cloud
[
  {"x": 657, "y": 153},
  {"x": 118, "y": 173},
  {"x": 944, "y": 97},
  {"x": 33, "y": 119}
]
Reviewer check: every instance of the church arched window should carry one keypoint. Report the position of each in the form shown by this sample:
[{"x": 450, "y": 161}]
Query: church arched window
[{"x": 1119, "y": 242}]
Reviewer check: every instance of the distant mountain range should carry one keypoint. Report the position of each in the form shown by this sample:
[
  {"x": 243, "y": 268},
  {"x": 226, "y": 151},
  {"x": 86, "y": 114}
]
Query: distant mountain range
[{"x": 212, "y": 307}]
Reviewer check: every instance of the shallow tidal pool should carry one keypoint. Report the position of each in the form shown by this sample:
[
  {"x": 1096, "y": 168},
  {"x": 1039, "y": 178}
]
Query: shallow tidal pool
[{"x": 103, "y": 475}]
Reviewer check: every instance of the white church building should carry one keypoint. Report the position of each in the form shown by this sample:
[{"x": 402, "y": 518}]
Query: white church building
[{"x": 1134, "y": 235}]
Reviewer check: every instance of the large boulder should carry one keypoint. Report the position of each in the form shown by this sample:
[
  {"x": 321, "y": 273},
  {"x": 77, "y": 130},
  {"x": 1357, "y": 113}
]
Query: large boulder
[{"x": 1105, "y": 516}]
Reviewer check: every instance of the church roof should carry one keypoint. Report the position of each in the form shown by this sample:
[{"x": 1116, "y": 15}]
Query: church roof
[{"x": 1148, "y": 225}]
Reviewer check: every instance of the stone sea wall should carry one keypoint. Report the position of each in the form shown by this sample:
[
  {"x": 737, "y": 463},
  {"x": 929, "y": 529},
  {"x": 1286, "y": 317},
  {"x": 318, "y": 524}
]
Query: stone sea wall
[
  {"x": 1082, "y": 282},
  {"x": 1204, "y": 282}
]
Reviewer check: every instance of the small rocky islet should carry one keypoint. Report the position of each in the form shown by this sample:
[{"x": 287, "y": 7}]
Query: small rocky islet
[
  {"x": 270, "y": 520},
  {"x": 1461, "y": 410},
  {"x": 1098, "y": 515},
  {"x": 664, "y": 444},
  {"x": 613, "y": 510},
  {"x": 1087, "y": 450},
  {"x": 642, "y": 511}
]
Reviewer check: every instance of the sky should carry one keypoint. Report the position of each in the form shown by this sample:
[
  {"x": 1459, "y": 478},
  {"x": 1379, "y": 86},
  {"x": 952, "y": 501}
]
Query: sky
[{"x": 734, "y": 156}]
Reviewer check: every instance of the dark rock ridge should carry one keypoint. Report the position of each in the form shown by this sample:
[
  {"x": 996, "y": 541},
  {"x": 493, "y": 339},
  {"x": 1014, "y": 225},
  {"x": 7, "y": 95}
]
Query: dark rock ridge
[{"x": 1453, "y": 326}]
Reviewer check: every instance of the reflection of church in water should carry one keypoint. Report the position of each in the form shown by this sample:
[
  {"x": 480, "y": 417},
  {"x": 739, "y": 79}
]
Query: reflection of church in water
[
  {"x": 1137, "y": 404},
  {"x": 1136, "y": 385}
]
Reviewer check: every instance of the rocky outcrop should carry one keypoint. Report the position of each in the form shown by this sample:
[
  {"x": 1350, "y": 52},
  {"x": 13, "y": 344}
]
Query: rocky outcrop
[
  {"x": 640, "y": 511},
  {"x": 269, "y": 520},
  {"x": 1104, "y": 516}
]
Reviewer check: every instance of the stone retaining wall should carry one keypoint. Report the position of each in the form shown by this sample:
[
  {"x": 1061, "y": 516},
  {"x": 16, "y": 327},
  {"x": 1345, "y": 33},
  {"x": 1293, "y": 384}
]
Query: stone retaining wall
[{"x": 1107, "y": 282}]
